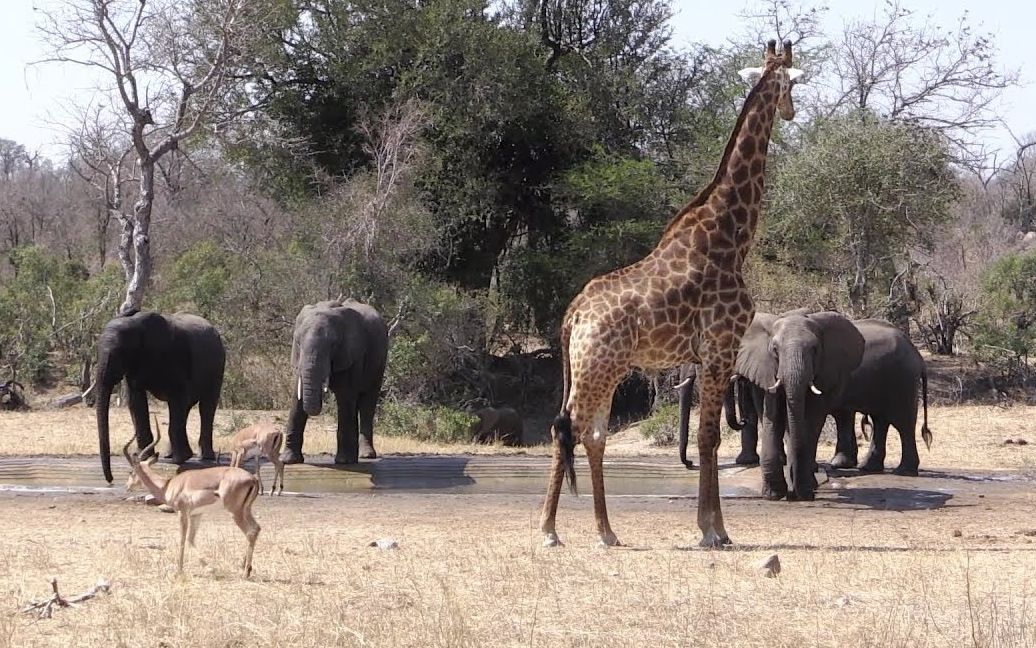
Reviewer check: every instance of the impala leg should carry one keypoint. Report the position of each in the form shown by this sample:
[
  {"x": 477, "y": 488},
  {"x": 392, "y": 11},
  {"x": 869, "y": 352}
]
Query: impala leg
[
  {"x": 192, "y": 528},
  {"x": 185, "y": 522},
  {"x": 246, "y": 522},
  {"x": 278, "y": 472},
  {"x": 259, "y": 473}
]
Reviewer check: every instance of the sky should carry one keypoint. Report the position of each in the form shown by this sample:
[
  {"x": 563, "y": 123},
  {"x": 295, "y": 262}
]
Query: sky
[{"x": 35, "y": 100}]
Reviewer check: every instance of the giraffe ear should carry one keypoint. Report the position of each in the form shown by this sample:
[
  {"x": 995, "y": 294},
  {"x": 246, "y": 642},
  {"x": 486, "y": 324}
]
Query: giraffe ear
[
  {"x": 795, "y": 75},
  {"x": 751, "y": 75}
]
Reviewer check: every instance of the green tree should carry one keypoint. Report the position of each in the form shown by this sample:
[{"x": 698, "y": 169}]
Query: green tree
[
  {"x": 855, "y": 197},
  {"x": 1007, "y": 321}
]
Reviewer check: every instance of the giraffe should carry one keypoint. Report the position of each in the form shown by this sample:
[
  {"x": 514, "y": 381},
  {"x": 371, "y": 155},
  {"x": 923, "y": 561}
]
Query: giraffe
[{"x": 684, "y": 302}]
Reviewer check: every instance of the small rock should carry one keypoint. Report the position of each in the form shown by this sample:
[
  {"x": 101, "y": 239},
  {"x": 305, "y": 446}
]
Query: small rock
[
  {"x": 384, "y": 543},
  {"x": 1020, "y": 441},
  {"x": 1008, "y": 441},
  {"x": 165, "y": 508},
  {"x": 957, "y": 533},
  {"x": 613, "y": 573},
  {"x": 769, "y": 566},
  {"x": 844, "y": 601}
]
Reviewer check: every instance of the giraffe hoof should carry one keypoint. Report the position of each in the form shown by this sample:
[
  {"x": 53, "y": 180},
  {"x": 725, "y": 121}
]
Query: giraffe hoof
[
  {"x": 713, "y": 540},
  {"x": 552, "y": 540},
  {"x": 609, "y": 540}
]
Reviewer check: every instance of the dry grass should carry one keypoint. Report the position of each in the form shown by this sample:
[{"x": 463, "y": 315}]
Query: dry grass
[
  {"x": 967, "y": 436},
  {"x": 470, "y": 572}
]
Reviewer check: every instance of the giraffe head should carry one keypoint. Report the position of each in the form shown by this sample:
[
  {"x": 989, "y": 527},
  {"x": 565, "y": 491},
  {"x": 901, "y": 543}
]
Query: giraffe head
[{"x": 777, "y": 68}]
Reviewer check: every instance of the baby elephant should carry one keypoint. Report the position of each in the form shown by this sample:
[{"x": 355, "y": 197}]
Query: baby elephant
[
  {"x": 259, "y": 439},
  {"x": 494, "y": 423}
]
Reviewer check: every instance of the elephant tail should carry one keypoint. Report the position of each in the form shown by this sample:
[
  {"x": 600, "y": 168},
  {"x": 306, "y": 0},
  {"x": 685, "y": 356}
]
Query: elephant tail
[
  {"x": 566, "y": 445},
  {"x": 926, "y": 434}
]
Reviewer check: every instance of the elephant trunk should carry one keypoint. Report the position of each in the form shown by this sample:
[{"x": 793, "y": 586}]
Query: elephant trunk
[
  {"x": 730, "y": 406},
  {"x": 797, "y": 376},
  {"x": 313, "y": 374},
  {"x": 685, "y": 388},
  {"x": 105, "y": 385}
]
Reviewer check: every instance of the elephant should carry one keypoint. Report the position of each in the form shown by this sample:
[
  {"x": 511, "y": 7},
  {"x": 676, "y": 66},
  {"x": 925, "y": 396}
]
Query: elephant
[
  {"x": 178, "y": 359},
  {"x": 737, "y": 392},
  {"x": 341, "y": 346},
  {"x": 885, "y": 388},
  {"x": 501, "y": 423},
  {"x": 800, "y": 365}
]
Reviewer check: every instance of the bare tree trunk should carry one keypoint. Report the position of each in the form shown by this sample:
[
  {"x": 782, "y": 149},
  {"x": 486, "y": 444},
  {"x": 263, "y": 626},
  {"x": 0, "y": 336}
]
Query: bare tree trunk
[{"x": 141, "y": 228}]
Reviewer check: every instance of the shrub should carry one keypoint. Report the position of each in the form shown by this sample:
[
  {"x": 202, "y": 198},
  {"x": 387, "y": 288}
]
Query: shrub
[
  {"x": 436, "y": 424},
  {"x": 662, "y": 427}
]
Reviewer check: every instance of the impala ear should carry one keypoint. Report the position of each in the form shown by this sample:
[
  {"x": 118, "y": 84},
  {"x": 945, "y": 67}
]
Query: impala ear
[
  {"x": 751, "y": 75},
  {"x": 795, "y": 75}
]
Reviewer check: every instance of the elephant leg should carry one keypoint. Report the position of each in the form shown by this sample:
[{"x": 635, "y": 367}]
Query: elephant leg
[
  {"x": 366, "y": 405},
  {"x": 909, "y": 462},
  {"x": 348, "y": 442},
  {"x": 845, "y": 447},
  {"x": 207, "y": 413},
  {"x": 293, "y": 439},
  {"x": 749, "y": 441},
  {"x": 875, "y": 460},
  {"x": 180, "y": 448},
  {"x": 141, "y": 421},
  {"x": 772, "y": 459}
]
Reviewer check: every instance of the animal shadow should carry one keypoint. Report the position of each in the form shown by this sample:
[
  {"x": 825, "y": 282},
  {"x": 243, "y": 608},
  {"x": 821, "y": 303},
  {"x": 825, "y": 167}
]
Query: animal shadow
[{"x": 892, "y": 498}]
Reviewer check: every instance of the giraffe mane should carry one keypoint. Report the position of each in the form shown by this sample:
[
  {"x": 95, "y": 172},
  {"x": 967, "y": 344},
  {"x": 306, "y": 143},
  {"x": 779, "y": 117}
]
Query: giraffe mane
[{"x": 701, "y": 197}]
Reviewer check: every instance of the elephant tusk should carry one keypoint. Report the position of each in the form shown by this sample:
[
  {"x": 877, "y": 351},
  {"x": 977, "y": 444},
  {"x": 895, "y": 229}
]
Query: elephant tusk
[
  {"x": 683, "y": 383},
  {"x": 775, "y": 386},
  {"x": 813, "y": 388},
  {"x": 300, "y": 388}
]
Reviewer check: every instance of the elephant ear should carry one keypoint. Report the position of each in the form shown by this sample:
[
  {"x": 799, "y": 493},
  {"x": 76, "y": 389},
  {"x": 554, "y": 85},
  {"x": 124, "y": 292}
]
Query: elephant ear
[
  {"x": 841, "y": 350},
  {"x": 754, "y": 360}
]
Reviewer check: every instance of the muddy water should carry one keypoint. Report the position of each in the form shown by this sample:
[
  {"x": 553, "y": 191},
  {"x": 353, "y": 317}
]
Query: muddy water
[{"x": 475, "y": 474}]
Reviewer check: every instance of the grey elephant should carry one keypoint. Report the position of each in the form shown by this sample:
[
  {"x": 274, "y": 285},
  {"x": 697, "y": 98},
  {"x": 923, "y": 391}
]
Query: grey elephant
[
  {"x": 734, "y": 399},
  {"x": 341, "y": 347},
  {"x": 177, "y": 359},
  {"x": 497, "y": 423},
  {"x": 884, "y": 387},
  {"x": 800, "y": 365}
]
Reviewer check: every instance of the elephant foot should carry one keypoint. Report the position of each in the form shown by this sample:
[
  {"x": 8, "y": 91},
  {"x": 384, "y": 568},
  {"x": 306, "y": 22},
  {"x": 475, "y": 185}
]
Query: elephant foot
[
  {"x": 179, "y": 458},
  {"x": 552, "y": 540},
  {"x": 747, "y": 459},
  {"x": 872, "y": 465},
  {"x": 843, "y": 460},
  {"x": 803, "y": 494},
  {"x": 906, "y": 471},
  {"x": 687, "y": 463},
  {"x": 208, "y": 455},
  {"x": 775, "y": 491},
  {"x": 367, "y": 450},
  {"x": 292, "y": 456},
  {"x": 346, "y": 460}
]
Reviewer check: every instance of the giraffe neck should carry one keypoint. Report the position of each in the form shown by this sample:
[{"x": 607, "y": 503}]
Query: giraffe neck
[{"x": 736, "y": 191}]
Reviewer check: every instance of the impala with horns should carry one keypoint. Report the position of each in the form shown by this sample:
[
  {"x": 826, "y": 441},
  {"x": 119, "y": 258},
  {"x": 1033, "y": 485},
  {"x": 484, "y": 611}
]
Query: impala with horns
[
  {"x": 191, "y": 492},
  {"x": 262, "y": 439}
]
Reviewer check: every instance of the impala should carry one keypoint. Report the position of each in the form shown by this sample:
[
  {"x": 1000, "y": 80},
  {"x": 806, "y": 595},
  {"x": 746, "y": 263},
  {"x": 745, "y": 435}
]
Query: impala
[
  {"x": 259, "y": 439},
  {"x": 190, "y": 492}
]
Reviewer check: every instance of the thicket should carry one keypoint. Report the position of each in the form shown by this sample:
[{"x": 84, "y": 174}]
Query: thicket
[{"x": 466, "y": 167}]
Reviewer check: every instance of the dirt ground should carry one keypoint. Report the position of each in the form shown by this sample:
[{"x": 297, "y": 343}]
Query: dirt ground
[{"x": 945, "y": 559}]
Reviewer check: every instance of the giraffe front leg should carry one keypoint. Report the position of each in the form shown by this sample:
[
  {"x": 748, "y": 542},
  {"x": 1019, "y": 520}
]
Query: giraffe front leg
[
  {"x": 594, "y": 444},
  {"x": 710, "y": 516}
]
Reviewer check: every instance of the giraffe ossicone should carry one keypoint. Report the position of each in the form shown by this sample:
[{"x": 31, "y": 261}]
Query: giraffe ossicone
[{"x": 684, "y": 302}]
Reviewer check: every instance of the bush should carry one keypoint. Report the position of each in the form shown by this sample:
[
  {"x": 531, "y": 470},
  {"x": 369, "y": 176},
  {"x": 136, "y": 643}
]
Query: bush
[
  {"x": 662, "y": 427},
  {"x": 1008, "y": 318},
  {"x": 436, "y": 424},
  {"x": 53, "y": 311}
]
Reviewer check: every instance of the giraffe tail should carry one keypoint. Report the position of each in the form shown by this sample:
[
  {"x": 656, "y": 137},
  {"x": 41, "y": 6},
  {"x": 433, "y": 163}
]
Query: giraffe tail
[{"x": 566, "y": 444}]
